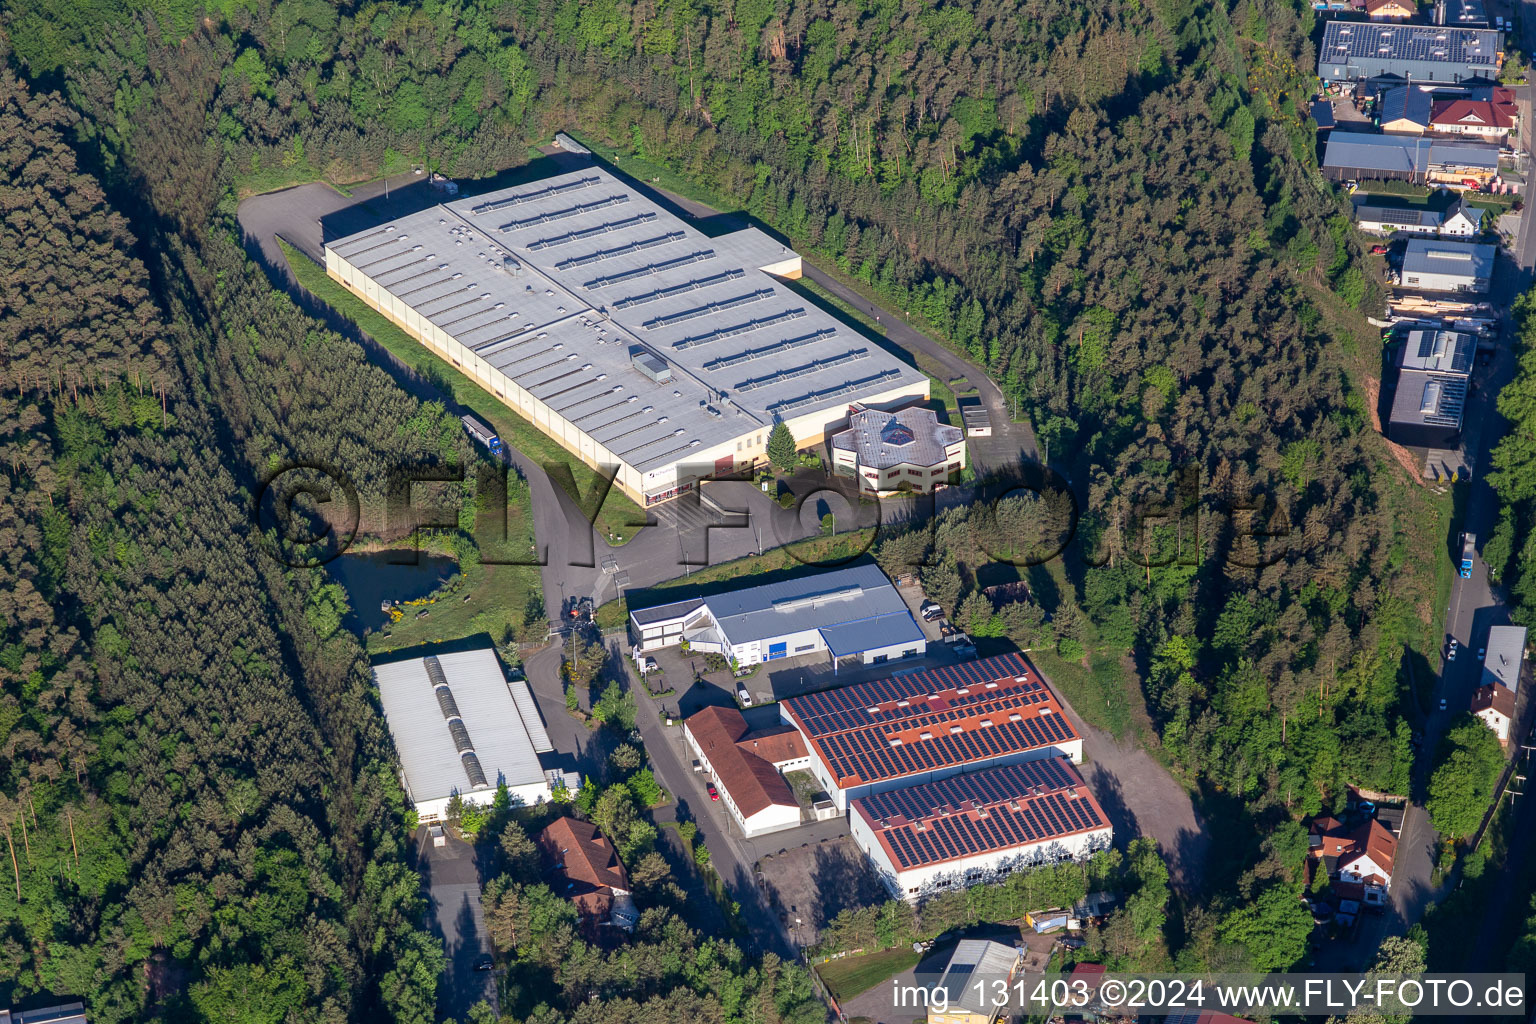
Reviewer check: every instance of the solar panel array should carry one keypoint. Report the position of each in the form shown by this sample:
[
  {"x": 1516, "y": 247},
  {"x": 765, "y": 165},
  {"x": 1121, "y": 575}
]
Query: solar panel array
[
  {"x": 1471, "y": 46},
  {"x": 909, "y": 724},
  {"x": 982, "y": 812}
]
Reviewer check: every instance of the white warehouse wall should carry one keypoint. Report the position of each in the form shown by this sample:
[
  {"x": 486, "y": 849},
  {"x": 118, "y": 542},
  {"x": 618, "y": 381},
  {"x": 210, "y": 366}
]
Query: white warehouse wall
[{"x": 971, "y": 870}]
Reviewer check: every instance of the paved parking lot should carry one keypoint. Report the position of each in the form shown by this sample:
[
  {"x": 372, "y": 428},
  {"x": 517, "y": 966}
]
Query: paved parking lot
[{"x": 452, "y": 881}]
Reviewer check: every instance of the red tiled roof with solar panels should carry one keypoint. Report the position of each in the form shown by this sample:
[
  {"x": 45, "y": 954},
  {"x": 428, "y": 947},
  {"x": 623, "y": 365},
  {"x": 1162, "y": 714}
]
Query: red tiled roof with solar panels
[{"x": 916, "y": 723}]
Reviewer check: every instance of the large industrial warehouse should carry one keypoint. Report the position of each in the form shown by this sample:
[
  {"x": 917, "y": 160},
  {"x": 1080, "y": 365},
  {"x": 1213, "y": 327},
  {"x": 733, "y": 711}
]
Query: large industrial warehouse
[
  {"x": 625, "y": 334},
  {"x": 924, "y": 726},
  {"x": 974, "y": 828}
]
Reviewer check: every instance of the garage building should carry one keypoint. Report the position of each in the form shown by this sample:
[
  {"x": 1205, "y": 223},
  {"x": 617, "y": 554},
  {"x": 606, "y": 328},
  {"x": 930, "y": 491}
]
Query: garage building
[
  {"x": 852, "y": 613},
  {"x": 619, "y": 330},
  {"x": 461, "y": 729},
  {"x": 974, "y": 828},
  {"x": 923, "y": 726}
]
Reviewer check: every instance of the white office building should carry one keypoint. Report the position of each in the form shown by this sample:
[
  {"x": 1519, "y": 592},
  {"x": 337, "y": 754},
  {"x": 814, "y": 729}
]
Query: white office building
[{"x": 848, "y": 613}]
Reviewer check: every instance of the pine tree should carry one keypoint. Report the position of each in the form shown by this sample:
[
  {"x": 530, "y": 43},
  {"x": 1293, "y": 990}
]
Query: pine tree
[{"x": 781, "y": 446}]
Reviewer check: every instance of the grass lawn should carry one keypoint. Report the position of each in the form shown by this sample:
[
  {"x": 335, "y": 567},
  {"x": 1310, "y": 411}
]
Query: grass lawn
[
  {"x": 480, "y": 599},
  {"x": 619, "y": 517},
  {"x": 852, "y": 975},
  {"x": 1099, "y": 693}
]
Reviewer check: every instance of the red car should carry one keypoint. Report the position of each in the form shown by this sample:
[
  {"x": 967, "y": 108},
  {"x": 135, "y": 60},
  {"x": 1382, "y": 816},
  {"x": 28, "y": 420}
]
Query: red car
[
  {"x": 714, "y": 794},
  {"x": 1378, "y": 250}
]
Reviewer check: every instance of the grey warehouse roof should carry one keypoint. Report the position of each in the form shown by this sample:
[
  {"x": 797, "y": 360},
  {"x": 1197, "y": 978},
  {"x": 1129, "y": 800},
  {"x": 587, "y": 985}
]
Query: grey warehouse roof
[
  {"x": 1443, "y": 351},
  {"x": 1436, "y": 399},
  {"x": 1461, "y": 13},
  {"x": 859, "y": 593},
  {"x": 911, "y": 435},
  {"x": 1506, "y": 649},
  {"x": 564, "y": 283},
  {"x": 977, "y": 971},
  {"x": 1407, "y": 102},
  {"x": 459, "y": 725},
  {"x": 1457, "y": 259},
  {"x": 1395, "y": 153},
  {"x": 855, "y": 609},
  {"x": 1422, "y": 52}
]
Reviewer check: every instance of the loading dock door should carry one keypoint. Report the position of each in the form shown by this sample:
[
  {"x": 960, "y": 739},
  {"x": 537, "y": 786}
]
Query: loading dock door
[{"x": 777, "y": 650}]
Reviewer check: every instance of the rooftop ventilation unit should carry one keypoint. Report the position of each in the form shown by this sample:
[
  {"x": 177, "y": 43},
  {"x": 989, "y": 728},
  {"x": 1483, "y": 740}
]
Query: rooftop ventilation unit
[{"x": 654, "y": 367}]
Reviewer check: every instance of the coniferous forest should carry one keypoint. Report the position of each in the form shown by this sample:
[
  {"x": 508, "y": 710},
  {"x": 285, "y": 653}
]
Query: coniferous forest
[{"x": 1113, "y": 206}]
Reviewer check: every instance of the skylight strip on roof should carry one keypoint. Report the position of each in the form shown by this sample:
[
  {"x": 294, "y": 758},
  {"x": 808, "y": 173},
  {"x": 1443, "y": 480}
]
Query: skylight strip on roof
[
  {"x": 623, "y": 250},
  {"x": 713, "y": 307},
  {"x": 572, "y": 211},
  {"x": 850, "y": 356},
  {"x": 528, "y": 197},
  {"x": 680, "y": 289},
  {"x": 601, "y": 229},
  {"x": 777, "y": 348},
  {"x": 830, "y": 393},
  {"x": 421, "y": 288},
  {"x": 651, "y": 269},
  {"x": 743, "y": 328}
]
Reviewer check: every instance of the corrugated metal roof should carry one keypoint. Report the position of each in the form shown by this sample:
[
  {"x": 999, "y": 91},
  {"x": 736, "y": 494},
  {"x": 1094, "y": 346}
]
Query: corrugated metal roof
[
  {"x": 1466, "y": 260},
  {"x": 489, "y": 715},
  {"x": 522, "y": 696},
  {"x": 977, "y": 972},
  {"x": 1356, "y": 150},
  {"x": 857, "y": 594},
  {"x": 1506, "y": 650},
  {"x": 867, "y": 634}
]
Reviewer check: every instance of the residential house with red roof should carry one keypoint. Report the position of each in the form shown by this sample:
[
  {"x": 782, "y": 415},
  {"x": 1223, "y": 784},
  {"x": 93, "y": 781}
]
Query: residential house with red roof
[
  {"x": 585, "y": 869},
  {"x": 1490, "y": 119},
  {"x": 1362, "y": 857}
]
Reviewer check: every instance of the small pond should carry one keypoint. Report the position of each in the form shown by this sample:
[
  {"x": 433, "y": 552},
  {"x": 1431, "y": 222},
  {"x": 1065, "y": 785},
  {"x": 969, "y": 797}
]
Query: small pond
[{"x": 375, "y": 577}]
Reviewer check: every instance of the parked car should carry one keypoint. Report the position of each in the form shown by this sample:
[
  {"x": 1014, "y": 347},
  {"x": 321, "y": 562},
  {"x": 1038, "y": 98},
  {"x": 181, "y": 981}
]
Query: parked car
[
  {"x": 697, "y": 766},
  {"x": 1379, "y": 250},
  {"x": 931, "y": 610},
  {"x": 1442, "y": 703},
  {"x": 485, "y": 964},
  {"x": 714, "y": 794},
  {"x": 1450, "y": 654},
  {"x": 1481, "y": 653},
  {"x": 745, "y": 697}
]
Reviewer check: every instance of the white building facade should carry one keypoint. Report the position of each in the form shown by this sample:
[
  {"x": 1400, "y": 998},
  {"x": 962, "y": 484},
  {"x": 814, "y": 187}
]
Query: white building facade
[{"x": 978, "y": 827}]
